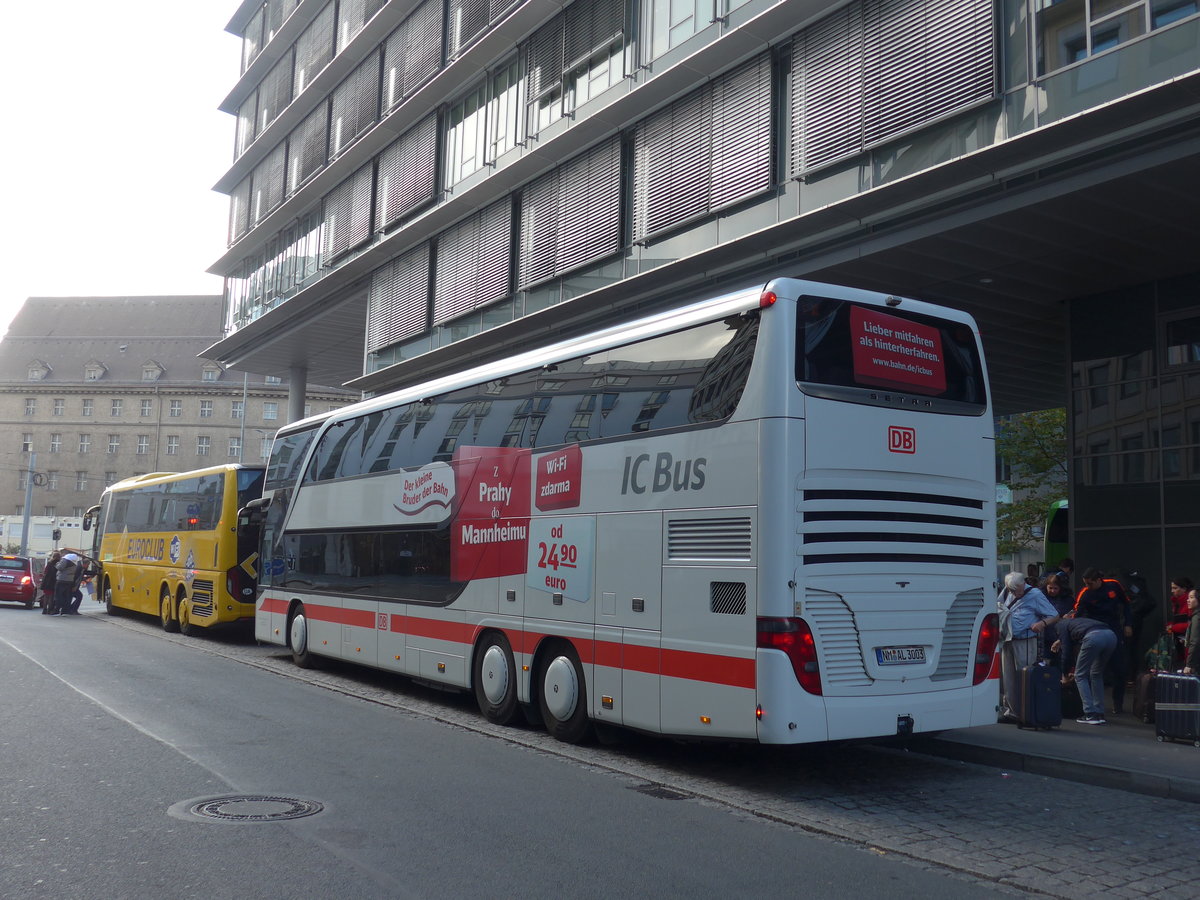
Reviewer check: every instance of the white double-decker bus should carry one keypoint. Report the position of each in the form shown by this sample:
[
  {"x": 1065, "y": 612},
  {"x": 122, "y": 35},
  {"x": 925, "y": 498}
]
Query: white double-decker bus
[{"x": 764, "y": 516}]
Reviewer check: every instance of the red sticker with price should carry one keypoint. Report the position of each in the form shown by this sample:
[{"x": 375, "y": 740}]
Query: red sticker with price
[{"x": 490, "y": 531}]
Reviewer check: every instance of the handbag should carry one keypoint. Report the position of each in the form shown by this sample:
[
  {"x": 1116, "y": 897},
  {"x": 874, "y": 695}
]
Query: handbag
[{"x": 1161, "y": 657}]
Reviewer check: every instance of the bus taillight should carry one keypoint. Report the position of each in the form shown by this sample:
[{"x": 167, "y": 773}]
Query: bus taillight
[
  {"x": 795, "y": 638},
  {"x": 985, "y": 646}
]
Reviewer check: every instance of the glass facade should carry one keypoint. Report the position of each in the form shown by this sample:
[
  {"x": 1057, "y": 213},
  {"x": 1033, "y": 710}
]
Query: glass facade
[{"x": 1135, "y": 430}]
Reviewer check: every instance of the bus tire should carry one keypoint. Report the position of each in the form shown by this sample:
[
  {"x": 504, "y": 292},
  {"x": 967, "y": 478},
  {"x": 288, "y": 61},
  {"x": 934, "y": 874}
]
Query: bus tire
[
  {"x": 109, "y": 606},
  {"x": 496, "y": 679},
  {"x": 166, "y": 614},
  {"x": 562, "y": 695},
  {"x": 185, "y": 616},
  {"x": 298, "y": 639}
]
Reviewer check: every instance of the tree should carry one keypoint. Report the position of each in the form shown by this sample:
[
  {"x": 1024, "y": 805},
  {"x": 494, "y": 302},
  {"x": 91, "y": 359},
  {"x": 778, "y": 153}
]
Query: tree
[{"x": 1033, "y": 445}]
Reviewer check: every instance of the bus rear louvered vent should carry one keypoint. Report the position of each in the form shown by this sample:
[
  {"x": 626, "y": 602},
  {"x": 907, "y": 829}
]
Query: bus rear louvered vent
[
  {"x": 727, "y": 598},
  {"x": 959, "y": 631},
  {"x": 202, "y": 598},
  {"x": 709, "y": 538},
  {"x": 841, "y": 650},
  {"x": 855, "y": 527}
]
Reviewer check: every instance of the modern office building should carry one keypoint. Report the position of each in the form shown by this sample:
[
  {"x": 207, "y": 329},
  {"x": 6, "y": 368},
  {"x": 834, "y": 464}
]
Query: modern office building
[
  {"x": 96, "y": 389},
  {"x": 416, "y": 183}
]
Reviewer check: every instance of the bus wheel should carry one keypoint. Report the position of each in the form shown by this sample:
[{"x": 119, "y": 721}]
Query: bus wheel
[
  {"x": 298, "y": 638},
  {"x": 562, "y": 695},
  {"x": 185, "y": 617},
  {"x": 109, "y": 606},
  {"x": 496, "y": 679},
  {"x": 169, "y": 623}
]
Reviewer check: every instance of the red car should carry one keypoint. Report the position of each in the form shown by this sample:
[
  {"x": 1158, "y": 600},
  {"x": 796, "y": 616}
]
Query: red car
[{"x": 18, "y": 584}]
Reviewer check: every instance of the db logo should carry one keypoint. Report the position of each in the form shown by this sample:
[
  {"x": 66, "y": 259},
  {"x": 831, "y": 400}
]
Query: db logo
[
  {"x": 902, "y": 440},
  {"x": 382, "y": 621}
]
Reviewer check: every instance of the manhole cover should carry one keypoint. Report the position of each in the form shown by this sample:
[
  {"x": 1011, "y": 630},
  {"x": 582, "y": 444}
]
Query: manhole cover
[{"x": 246, "y": 808}]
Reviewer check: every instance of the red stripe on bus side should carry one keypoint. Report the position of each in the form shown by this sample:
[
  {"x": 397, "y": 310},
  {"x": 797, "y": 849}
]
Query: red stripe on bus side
[
  {"x": 274, "y": 605},
  {"x": 706, "y": 667}
]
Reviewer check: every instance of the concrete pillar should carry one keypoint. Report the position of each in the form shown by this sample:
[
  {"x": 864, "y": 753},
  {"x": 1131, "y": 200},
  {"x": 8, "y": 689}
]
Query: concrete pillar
[{"x": 297, "y": 388}]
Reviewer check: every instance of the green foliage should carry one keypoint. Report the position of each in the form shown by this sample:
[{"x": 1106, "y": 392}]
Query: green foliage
[{"x": 1034, "y": 446}]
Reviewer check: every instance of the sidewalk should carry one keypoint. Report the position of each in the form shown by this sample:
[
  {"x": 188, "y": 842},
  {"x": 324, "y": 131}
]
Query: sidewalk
[{"x": 1124, "y": 754}]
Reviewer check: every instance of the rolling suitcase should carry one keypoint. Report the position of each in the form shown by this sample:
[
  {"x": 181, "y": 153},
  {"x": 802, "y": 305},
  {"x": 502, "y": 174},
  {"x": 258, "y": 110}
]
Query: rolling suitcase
[
  {"x": 1177, "y": 707},
  {"x": 1072, "y": 703},
  {"x": 1040, "y": 701},
  {"x": 1143, "y": 697}
]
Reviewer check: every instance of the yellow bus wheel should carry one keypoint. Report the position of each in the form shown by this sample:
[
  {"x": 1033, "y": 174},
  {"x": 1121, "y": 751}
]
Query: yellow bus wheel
[
  {"x": 169, "y": 623},
  {"x": 185, "y": 616}
]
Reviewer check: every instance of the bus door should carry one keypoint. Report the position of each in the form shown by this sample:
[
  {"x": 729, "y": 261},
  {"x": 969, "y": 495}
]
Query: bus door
[{"x": 628, "y": 619}]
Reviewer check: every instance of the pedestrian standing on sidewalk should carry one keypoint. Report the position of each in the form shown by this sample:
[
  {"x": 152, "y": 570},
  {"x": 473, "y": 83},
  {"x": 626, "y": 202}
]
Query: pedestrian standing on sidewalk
[
  {"x": 1059, "y": 595},
  {"x": 1191, "y": 639},
  {"x": 1104, "y": 600},
  {"x": 1092, "y": 644},
  {"x": 64, "y": 583},
  {"x": 1024, "y": 615},
  {"x": 47, "y": 584}
]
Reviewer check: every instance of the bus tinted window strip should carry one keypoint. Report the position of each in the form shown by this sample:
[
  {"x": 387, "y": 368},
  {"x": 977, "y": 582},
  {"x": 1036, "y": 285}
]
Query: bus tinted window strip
[
  {"x": 899, "y": 496},
  {"x": 819, "y": 537},
  {"x": 826, "y": 558},
  {"x": 924, "y": 518}
]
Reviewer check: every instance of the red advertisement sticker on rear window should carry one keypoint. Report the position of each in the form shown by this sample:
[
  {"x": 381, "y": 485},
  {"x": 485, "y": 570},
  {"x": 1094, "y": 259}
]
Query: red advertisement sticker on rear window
[{"x": 892, "y": 352}]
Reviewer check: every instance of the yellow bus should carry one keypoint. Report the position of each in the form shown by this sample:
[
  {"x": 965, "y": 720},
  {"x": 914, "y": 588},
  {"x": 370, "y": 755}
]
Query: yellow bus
[{"x": 168, "y": 545}]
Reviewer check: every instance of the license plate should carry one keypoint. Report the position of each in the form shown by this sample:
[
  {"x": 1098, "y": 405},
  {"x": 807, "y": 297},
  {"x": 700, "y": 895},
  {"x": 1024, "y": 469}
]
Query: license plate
[
  {"x": 7, "y": 578},
  {"x": 899, "y": 656}
]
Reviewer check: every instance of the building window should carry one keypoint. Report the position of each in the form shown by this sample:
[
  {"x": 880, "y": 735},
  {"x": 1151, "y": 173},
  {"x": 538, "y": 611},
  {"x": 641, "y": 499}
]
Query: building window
[
  {"x": 203, "y": 442},
  {"x": 474, "y": 262},
  {"x": 85, "y": 443},
  {"x": 175, "y": 409},
  {"x": 87, "y": 406},
  {"x": 31, "y": 406},
  {"x": 704, "y": 152},
  {"x": 264, "y": 448},
  {"x": 1071, "y": 30},
  {"x": 77, "y": 511},
  {"x": 347, "y": 216},
  {"x": 117, "y": 405},
  {"x": 151, "y": 371},
  {"x": 206, "y": 409},
  {"x": 49, "y": 510},
  {"x": 235, "y": 448},
  {"x": 147, "y": 407},
  {"x": 270, "y": 410},
  {"x": 51, "y": 482},
  {"x": 143, "y": 444},
  {"x": 172, "y": 444},
  {"x": 27, "y": 442},
  {"x": 110, "y": 478},
  {"x": 93, "y": 372},
  {"x": 398, "y": 300},
  {"x": 114, "y": 443},
  {"x": 211, "y": 373},
  {"x": 466, "y": 136},
  {"x": 237, "y": 409},
  {"x": 273, "y": 379},
  {"x": 22, "y": 480},
  {"x": 81, "y": 481},
  {"x": 60, "y": 407},
  {"x": 56, "y": 442}
]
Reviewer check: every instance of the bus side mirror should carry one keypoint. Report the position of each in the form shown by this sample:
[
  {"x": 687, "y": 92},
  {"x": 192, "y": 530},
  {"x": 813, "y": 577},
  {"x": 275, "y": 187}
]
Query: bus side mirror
[{"x": 87, "y": 525}]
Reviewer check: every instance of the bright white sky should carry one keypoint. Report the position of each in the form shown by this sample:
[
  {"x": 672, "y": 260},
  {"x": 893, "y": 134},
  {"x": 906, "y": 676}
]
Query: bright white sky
[{"x": 113, "y": 142}]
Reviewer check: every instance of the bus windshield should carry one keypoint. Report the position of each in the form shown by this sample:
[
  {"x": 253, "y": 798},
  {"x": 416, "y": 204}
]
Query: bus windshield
[{"x": 867, "y": 355}]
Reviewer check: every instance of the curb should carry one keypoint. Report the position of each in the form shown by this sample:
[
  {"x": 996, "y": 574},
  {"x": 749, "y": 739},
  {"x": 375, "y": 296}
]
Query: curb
[{"x": 1168, "y": 786}]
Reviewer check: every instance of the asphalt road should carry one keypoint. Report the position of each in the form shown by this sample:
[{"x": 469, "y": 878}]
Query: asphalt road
[{"x": 112, "y": 733}]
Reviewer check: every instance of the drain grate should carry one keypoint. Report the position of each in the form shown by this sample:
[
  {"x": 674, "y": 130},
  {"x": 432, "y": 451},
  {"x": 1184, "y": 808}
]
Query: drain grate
[
  {"x": 250, "y": 808},
  {"x": 661, "y": 792}
]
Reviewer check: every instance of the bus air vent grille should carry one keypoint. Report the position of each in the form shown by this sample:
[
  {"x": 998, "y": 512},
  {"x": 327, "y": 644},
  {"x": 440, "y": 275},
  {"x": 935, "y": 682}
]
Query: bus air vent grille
[
  {"x": 202, "y": 598},
  {"x": 957, "y": 636},
  {"x": 837, "y": 631},
  {"x": 859, "y": 527},
  {"x": 727, "y": 598},
  {"x": 727, "y": 538}
]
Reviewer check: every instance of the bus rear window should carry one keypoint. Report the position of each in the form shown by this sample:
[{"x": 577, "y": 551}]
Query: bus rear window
[{"x": 863, "y": 354}]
